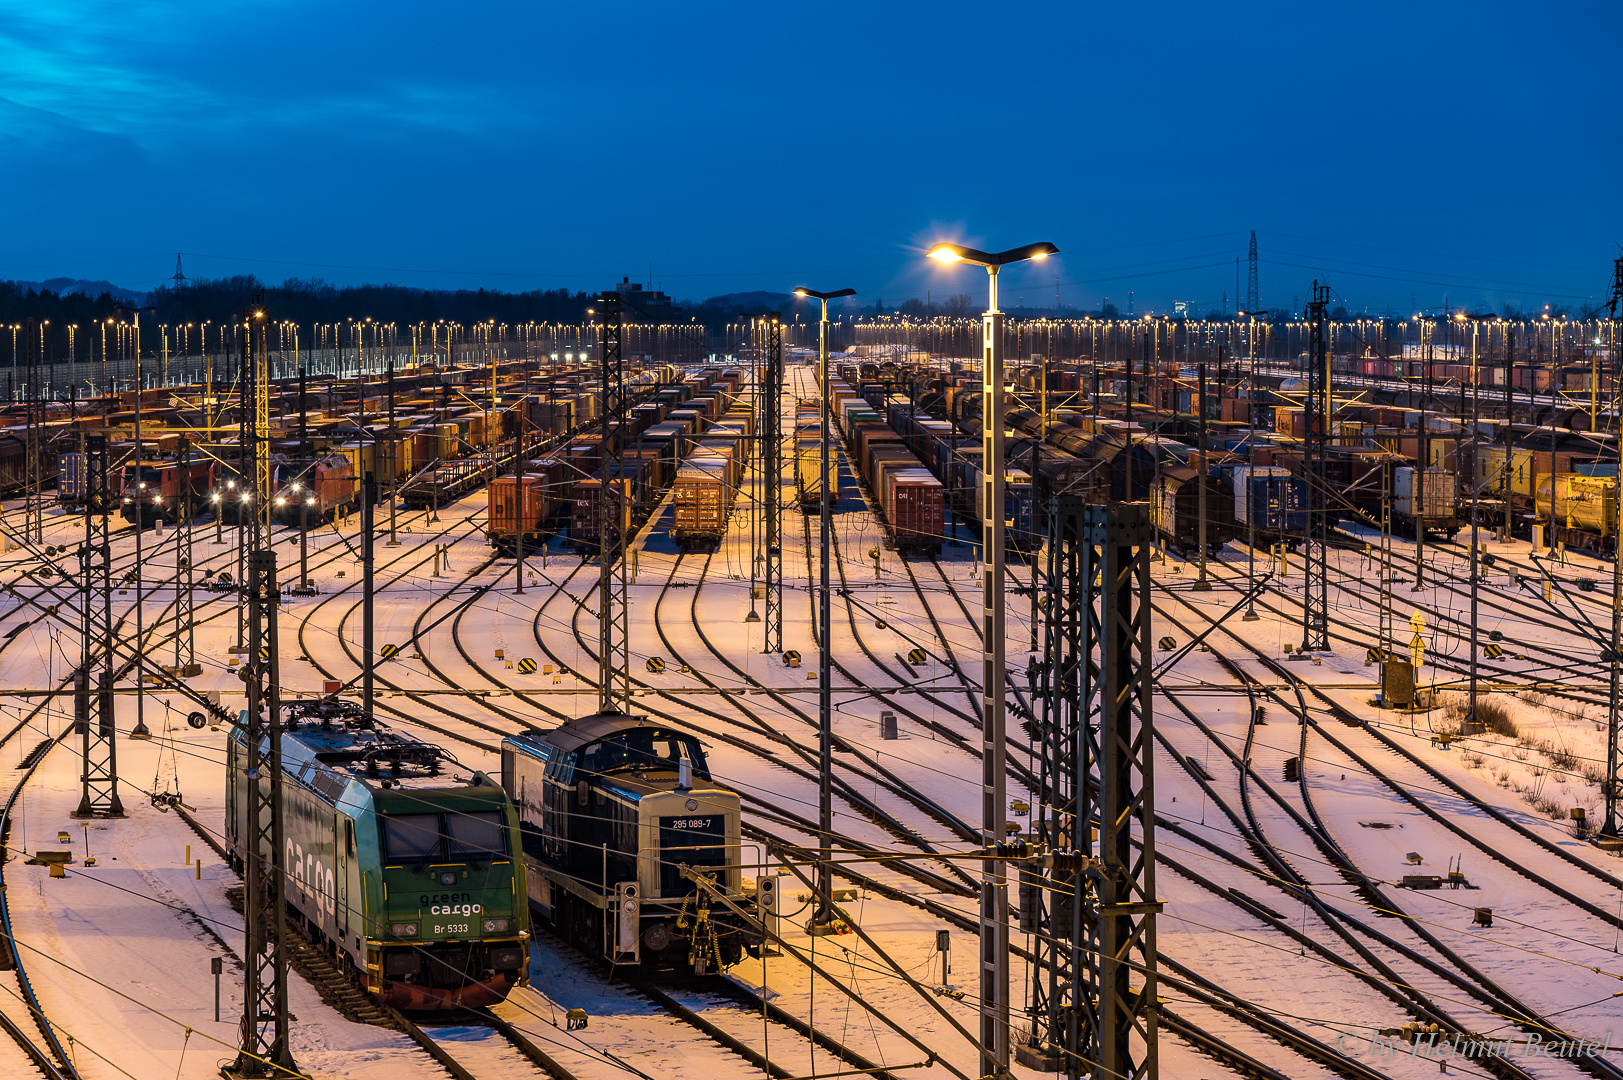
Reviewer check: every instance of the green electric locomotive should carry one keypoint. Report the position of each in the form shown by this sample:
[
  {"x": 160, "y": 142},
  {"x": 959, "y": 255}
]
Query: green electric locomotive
[{"x": 400, "y": 862}]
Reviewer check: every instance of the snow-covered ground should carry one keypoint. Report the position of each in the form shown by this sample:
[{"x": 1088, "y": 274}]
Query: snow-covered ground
[{"x": 119, "y": 952}]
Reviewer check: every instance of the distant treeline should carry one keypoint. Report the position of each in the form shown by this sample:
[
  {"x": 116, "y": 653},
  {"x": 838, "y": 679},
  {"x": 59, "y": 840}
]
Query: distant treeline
[
  {"x": 315, "y": 301},
  {"x": 295, "y": 300}
]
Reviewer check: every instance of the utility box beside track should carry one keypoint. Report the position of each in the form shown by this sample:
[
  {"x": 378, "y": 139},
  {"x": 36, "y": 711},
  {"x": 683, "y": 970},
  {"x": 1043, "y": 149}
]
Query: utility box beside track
[{"x": 1397, "y": 684}]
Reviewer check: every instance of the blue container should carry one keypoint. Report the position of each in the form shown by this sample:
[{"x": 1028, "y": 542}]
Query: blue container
[
  {"x": 1018, "y": 506},
  {"x": 70, "y": 477},
  {"x": 1276, "y": 500}
]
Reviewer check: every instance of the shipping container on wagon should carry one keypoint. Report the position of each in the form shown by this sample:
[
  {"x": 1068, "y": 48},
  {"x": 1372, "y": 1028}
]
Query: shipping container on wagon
[
  {"x": 1429, "y": 503},
  {"x": 702, "y": 500},
  {"x": 1019, "y": 523},
  {"x": 524, "y": 505},
  {"x": 915, "y": 505},
  {"x": 809, "y": 483},
  {"x": 1270, "y": 497},
  {"x": 586, "y": 524}
]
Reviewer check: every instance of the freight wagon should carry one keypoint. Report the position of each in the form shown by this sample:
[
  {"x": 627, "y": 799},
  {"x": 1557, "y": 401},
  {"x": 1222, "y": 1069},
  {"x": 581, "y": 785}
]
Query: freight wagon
[
  {"x": 1175, "y": 506},
  {"x": 1270, "y": 501},
  {"x": 625, "y": 495},
  {"x": 1021, "y": 527},
  {"x": 910, "y": 498},
  {"x": 810, "y": 481},
  {"x": 1580, "y": 511},
  {"x": 520, "y": 507},
  {"x": 703, "y": 498},
  {"x": 14, "y": 473},
  {"x": 1425, "y": 503},
  {"x": 444, "y": 483},
  {"x": 915, "y": 506}
]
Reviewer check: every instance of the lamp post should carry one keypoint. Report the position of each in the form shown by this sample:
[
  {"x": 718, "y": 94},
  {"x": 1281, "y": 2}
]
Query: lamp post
[
  {"x": 1417, "y": 489},
  {"x": 1250, "y": 510},
  {"x": 140, "y": 731},
  {"x": 994, "y": 893},
  {"x": 1475, "y": 321},
  {"x": 823, "y": 918}
]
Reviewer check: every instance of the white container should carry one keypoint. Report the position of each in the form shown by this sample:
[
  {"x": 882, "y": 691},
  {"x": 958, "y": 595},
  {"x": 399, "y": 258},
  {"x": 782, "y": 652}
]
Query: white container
[{"x": 1438, "y": 496}]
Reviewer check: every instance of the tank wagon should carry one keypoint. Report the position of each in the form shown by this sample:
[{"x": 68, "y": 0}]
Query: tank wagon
[{"x": 1581, "y": 511}]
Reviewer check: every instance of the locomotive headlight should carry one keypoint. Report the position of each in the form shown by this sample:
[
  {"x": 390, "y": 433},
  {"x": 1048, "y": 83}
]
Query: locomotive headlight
[
  {"x": 403, "y": 929},
  {"x": 280, "y": 501},
  {"x": 308, "y": 501},
  {"x": 496, "y": 926},
  {"x": 448, "y": 878}
]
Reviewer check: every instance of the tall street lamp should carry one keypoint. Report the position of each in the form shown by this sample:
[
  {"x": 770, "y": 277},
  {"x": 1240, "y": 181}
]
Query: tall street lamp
[
  {"x": 823, "y": 918},
  {"x": 1250, "y": 510},
  {"x": 1476, "y": 570},
  {"x": 994, "y": 897}
]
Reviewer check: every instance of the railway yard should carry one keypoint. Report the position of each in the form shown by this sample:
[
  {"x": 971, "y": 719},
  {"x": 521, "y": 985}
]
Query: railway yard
[{"x": 1358, "y": 874}]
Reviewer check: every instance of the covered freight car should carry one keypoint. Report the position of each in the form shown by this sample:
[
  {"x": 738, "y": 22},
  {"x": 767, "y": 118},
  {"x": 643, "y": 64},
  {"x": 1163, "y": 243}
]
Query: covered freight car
[
  {"x": 1175, "y": 501},
  {"x": 520, "y": 507}
]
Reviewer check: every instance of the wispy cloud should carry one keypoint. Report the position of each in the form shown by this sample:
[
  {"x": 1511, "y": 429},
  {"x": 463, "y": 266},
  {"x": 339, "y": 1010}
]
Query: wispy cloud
[{"x": 179, "y": 71}]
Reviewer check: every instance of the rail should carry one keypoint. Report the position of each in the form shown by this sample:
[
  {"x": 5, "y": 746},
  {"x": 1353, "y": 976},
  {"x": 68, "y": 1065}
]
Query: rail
[{"x": 62, "y": 1067}]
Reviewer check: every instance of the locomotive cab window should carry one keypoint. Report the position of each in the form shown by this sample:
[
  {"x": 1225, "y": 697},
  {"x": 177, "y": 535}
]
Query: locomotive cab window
[
  {"x": 644, "y": 751},
  {"x": 475, "y": 835},
  {"x": 469, "y": 836},
  {"x": 411, "y": 837}
]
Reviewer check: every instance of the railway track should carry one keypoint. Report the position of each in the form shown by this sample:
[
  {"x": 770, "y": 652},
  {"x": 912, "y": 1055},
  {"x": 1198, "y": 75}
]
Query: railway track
[
  {"x": 765, "y": 729},
  {"x": 482, "y": 1048},
  {"x": 1308, "y": 1047},
  {"x": 1361, "y": 636},
  {"x": 943, "y": 578},
  {"x": 1501, "y": 1003},
  {"x": 51, "y": 1060},
  {"x": 1210, "y": 994}
]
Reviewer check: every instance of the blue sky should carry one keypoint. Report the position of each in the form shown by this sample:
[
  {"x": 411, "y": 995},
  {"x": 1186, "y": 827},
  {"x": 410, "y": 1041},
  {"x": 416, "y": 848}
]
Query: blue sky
[{"x": 1403, "y": 151}]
